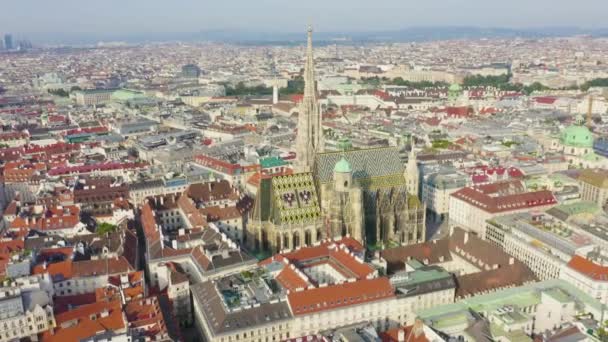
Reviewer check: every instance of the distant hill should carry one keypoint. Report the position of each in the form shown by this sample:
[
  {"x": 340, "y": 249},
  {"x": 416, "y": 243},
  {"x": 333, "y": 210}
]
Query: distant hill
[{"x": 410, "y": 34}]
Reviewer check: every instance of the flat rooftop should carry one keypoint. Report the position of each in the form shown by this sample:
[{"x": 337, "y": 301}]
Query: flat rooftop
[{"x": 224, "y": 312}]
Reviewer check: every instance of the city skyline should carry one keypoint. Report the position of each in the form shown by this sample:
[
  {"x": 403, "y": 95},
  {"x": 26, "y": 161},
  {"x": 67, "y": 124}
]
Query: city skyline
[
  {"x": 304, "y": 171},
  {"x": 137, "y": 17}
]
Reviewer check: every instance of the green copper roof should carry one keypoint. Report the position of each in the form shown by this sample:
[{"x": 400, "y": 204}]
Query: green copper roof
[
  {"x": 577, "y": 136},
  {"x": 126, "y": 95},
  {"x": 343, "y": 166},
  {"x": 272, "y": 162},
  {"x": 565, "y": 211}
]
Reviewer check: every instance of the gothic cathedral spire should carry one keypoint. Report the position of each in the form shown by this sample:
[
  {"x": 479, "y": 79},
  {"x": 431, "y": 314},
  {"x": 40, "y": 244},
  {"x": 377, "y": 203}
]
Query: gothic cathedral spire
[{"x": 310, "y": 133}]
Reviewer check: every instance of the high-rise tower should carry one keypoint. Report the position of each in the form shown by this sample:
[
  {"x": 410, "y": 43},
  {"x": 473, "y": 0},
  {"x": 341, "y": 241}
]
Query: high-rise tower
[
  {"x": 412, "y": 173},
  {"x": 310, "y": 133},
  {"x": 8, "y": 42}
]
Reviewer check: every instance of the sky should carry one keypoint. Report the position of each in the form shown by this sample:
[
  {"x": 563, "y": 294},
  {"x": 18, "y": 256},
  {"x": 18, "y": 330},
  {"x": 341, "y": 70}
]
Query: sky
[{"x": 155, "y": 16}]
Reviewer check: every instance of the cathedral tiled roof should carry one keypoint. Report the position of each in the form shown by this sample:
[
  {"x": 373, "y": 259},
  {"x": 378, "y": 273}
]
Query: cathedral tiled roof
[
  {"x": 295, "y": 198},
  {"x": 366, "y": 164}
]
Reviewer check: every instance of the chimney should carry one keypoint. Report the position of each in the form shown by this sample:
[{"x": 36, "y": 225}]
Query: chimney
[
  {"x": 418, "y": 328},
  {"x": 401, "y": 335},
  {"x": 466, "y": 237},
  {"x": 162, "y": 200},
  {"x": 511, "y": 261}
]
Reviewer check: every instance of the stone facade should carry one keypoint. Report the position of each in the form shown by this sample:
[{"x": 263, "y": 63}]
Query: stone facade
[
  {"x": 357, "y": 193},
  {"x": 342, "y": 201},
  {"x": 390, "y": 213},
  {"x": 310, "y": 132}
]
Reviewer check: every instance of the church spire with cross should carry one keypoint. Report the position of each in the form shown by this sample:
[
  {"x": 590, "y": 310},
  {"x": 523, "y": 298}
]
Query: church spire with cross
[{"x": 310, "y": 133}]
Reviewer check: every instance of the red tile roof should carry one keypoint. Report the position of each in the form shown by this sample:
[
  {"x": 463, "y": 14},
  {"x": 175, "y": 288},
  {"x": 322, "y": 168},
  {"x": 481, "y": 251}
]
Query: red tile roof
[
  {"x": 98, "y": 129},
  {"x": 217, "y": 213},
  {"x": 54, "y": 218},
  {"x": 337, "y": 253},
  {"x": 291, "y": 279},
  {"x": 51, "y": 150},
  {"x": 145, "y": 315},
  {"x": 135, "y": 286},
  {"x": 111, "y": 266},
  {"x": 459, "y": 111},
  {"x": 545, "y": 99},
  {"x": 408, "y": 335},
  {"x": 502, "y": 197},
  {"x": 57, "y": 270},
  {"x": 58, "y": 171},
  {"x": 46, "y": 254},
  {"x": 148, "y": 222},
  {"x": 9, "y": 136},
  {"x": 589, "y": 268},
  {"x": 86, "y": 321},
  {"x": 341, "y": 295},
  {"x": 63, "y": 304}
]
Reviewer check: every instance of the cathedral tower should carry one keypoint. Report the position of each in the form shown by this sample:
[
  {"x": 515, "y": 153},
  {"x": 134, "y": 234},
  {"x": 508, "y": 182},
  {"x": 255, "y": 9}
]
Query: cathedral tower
[
  {"x": 342, "y": 204},
  {"x": 343, "y": 176},
  {"x": 310, "y": 133}
]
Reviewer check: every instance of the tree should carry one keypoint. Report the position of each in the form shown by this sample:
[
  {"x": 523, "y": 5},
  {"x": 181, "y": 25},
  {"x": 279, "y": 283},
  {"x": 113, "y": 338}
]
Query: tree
[
  {"x": 598, "y": 82},
  {"x": 441, "y": 144},
  {"x": 536, "y": 86},
  {"x": 106, "y": 228},
  {"x": 418, "y": 85},
  {"x": 241, "y": 90},
  {"x": 58, "y": 92},
  {"x": 294, "y": 86},
  {"x": 502, "y": 82}
]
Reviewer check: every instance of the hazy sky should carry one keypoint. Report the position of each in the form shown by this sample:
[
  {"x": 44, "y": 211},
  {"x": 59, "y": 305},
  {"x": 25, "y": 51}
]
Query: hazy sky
[{"x": 140, "y": 16}]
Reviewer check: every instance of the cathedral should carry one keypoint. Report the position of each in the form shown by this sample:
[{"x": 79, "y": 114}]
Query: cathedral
[{"x": 366, "y": 194}]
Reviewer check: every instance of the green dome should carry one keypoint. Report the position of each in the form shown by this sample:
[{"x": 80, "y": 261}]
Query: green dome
[
  {"x": 343, "y": 166},
  {"x": 577, "y": 136}
]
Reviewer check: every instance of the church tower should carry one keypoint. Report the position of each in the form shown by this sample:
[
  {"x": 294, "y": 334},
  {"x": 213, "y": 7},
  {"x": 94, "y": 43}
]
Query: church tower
[
  {"x": 310, "y": 133},
  {"x": 343, "y": 176},
  {"x": 343, "y": 204},
  {"x": 412, "y": 174}
]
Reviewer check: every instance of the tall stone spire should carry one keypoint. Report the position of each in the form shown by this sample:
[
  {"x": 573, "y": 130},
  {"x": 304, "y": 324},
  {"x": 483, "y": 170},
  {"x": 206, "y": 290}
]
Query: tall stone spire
[{"x": 310, "y": 133}]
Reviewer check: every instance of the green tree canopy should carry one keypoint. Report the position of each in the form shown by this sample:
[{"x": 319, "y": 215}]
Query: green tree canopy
[{"x": 105, "y": 228}]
